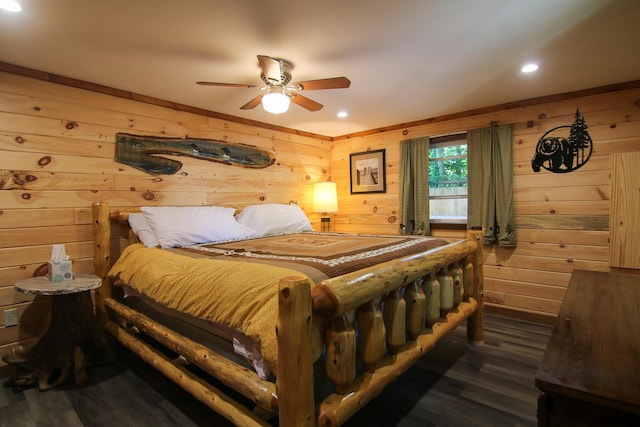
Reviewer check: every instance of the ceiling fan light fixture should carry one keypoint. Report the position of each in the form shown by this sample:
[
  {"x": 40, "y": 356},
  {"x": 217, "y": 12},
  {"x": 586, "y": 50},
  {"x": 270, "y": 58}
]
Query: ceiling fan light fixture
[{"x": 276, "y": 101}]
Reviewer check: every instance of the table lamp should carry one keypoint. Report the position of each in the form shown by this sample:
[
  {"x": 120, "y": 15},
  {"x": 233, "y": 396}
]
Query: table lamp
[{"x": 325, "y": 201}]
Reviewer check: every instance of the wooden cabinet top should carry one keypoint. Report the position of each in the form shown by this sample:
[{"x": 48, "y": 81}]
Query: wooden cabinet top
[{"x": 593, "y": 353}]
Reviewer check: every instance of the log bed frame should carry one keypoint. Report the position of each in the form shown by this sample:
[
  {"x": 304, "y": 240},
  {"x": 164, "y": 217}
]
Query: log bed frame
[{"x": 388, "y": 342}]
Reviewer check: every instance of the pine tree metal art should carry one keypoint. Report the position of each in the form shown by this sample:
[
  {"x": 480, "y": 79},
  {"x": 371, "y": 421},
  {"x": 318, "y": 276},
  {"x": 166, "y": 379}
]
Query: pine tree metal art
[{"x": 561, "y": 154}]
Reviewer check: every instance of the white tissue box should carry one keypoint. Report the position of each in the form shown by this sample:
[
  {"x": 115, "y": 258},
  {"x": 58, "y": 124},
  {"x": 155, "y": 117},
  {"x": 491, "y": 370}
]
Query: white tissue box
[{"x": 60, "y": 271}]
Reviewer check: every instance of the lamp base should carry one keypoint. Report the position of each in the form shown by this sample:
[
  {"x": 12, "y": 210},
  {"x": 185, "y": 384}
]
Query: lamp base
[{"x": 325, "y": 224}]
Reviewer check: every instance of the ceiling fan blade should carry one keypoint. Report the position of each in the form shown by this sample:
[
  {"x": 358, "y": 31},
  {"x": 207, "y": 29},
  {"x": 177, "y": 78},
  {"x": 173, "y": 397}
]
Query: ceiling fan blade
[
  {"x": 253, "y": 103},
  {"x": 270, "y": 69},
  {"x": 305, "y": 102},
  {"x": 331, "y": 83},
  {"x": 228, "y": 85}
]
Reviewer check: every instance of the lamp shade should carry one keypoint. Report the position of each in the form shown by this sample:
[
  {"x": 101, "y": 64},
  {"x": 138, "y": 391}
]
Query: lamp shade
[
  {"x": 325, "y": 197},
  {"x": 275, "y": 102}
]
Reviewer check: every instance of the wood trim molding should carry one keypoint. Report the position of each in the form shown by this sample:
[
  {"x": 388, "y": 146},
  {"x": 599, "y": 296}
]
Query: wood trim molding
[
  {"x": 68, "y": 81},
  {"x": 81, "y": 84},
  {"x": 497, "y": 108}
]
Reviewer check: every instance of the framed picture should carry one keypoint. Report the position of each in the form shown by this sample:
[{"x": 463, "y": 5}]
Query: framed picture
[{"x": 368, "y": 172}]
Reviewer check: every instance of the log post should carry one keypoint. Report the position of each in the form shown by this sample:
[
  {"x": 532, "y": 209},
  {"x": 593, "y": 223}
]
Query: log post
[
  {"x": 416, "y": 307},
  {"x": 467, "y": 277},
  {"x": 395, "y": 310},
  {"x": 102, "y": 256},
  {"x": 431, "y": 288},
  {"x": 446, "y": 291},
  {"x": 475, "y": 323},
  {"x": 456, "y": 275},
  {"x": 371, "y": 335},
  {"x": 295, "y": 359},
  {"x": 341, "y": 354}
]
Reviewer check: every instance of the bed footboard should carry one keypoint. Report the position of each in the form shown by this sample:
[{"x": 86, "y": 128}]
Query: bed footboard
[
  {"x": 388, "y": 306},
  {"x": 339, "y": 407}
]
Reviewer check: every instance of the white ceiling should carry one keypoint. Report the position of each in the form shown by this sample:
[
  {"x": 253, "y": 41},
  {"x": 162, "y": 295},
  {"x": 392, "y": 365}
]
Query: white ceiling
[{"x": 407, "y": 60}]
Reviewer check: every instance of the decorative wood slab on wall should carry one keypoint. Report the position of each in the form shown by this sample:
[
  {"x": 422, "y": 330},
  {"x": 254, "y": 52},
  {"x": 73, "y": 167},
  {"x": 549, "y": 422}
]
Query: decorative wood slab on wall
[{"x": 144, "y": 153}]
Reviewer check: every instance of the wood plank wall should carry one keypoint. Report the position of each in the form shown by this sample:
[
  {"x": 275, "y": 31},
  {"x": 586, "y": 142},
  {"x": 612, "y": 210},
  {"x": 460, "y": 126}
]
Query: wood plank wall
[
  {"x": 56, "y": 158},
  {"x": 562, "y": 219}
]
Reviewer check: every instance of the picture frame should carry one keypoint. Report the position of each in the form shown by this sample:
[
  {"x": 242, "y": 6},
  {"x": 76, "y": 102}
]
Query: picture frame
[{"x": 368, "y": 172}]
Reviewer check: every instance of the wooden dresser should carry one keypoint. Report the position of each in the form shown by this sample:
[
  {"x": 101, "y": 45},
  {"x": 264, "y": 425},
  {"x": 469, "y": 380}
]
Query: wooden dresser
[{"x": 590, "y": 372}]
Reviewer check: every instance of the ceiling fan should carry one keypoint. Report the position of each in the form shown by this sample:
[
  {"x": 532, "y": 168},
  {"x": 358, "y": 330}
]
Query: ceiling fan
[{"x": 279, "y": 90}]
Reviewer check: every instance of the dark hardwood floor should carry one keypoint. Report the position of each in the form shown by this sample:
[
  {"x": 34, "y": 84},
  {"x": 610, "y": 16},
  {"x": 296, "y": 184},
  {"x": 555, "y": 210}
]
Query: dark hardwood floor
[{"x": 453, "y": 385}]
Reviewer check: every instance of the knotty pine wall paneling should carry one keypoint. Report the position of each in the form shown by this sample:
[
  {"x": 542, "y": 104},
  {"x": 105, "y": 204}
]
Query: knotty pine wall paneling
[
  {"x": 625, "y": 203},
  {"x": 562, "y": 219},
  {"x": 57, "y": 145}
]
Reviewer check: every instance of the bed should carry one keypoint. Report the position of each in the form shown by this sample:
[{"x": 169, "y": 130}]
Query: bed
[{"x": 363, "y": 327}]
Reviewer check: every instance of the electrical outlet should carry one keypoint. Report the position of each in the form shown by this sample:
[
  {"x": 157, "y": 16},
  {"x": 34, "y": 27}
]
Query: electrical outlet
[{"x": 11, "y": 317}]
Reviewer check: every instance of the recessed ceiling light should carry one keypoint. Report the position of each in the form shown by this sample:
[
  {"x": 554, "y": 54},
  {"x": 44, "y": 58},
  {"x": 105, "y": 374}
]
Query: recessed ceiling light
[
  {"x": 10, "y": 5},
  {"x": 529, "y": 68},
  {"x": 342, "y": 114}
]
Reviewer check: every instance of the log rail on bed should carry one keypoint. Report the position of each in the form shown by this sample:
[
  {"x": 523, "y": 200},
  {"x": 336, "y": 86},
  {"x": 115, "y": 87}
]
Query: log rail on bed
[{"x": 386, "y": 304}]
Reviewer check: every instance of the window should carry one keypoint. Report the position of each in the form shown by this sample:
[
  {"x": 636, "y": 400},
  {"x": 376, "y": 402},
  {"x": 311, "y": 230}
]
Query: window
[{"x": 448, "y": 179}]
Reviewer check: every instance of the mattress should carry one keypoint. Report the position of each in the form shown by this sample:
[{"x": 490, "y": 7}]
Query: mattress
[{"x": 228, "y": 342}]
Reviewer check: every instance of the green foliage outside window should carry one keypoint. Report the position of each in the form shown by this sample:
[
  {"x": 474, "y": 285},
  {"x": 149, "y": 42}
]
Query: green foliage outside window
[{"x": 448, "y": 166}]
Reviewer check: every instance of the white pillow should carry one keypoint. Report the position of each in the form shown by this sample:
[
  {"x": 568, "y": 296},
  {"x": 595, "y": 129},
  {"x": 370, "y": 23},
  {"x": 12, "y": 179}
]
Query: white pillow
[
  {"x": 271, "y": 218},
  {"x": 188, "y": 225},
  {"x": 141, "y": 227}
]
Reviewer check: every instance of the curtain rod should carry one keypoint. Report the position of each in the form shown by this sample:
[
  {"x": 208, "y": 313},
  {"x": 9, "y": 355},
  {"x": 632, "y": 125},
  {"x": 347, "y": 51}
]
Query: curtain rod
[{"x": 447, "y": 137}]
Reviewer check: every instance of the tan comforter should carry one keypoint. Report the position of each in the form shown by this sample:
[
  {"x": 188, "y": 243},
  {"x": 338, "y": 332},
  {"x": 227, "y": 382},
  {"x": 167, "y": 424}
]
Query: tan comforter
[{"x": 198, "y": 287}]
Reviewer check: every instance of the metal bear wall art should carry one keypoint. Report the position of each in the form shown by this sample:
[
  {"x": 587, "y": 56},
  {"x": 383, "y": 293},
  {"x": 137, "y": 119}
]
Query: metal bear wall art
[{"x": 560, "y": 153}]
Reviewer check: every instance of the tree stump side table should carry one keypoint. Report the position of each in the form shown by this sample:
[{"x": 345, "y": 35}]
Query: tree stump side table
[{"x": 74, "y": 339}]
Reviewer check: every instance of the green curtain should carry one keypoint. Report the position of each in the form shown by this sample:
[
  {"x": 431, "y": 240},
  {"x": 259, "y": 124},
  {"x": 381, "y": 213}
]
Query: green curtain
[
  {"x": 490, "y": 181},
  {"x": 414, "y": 186}
]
